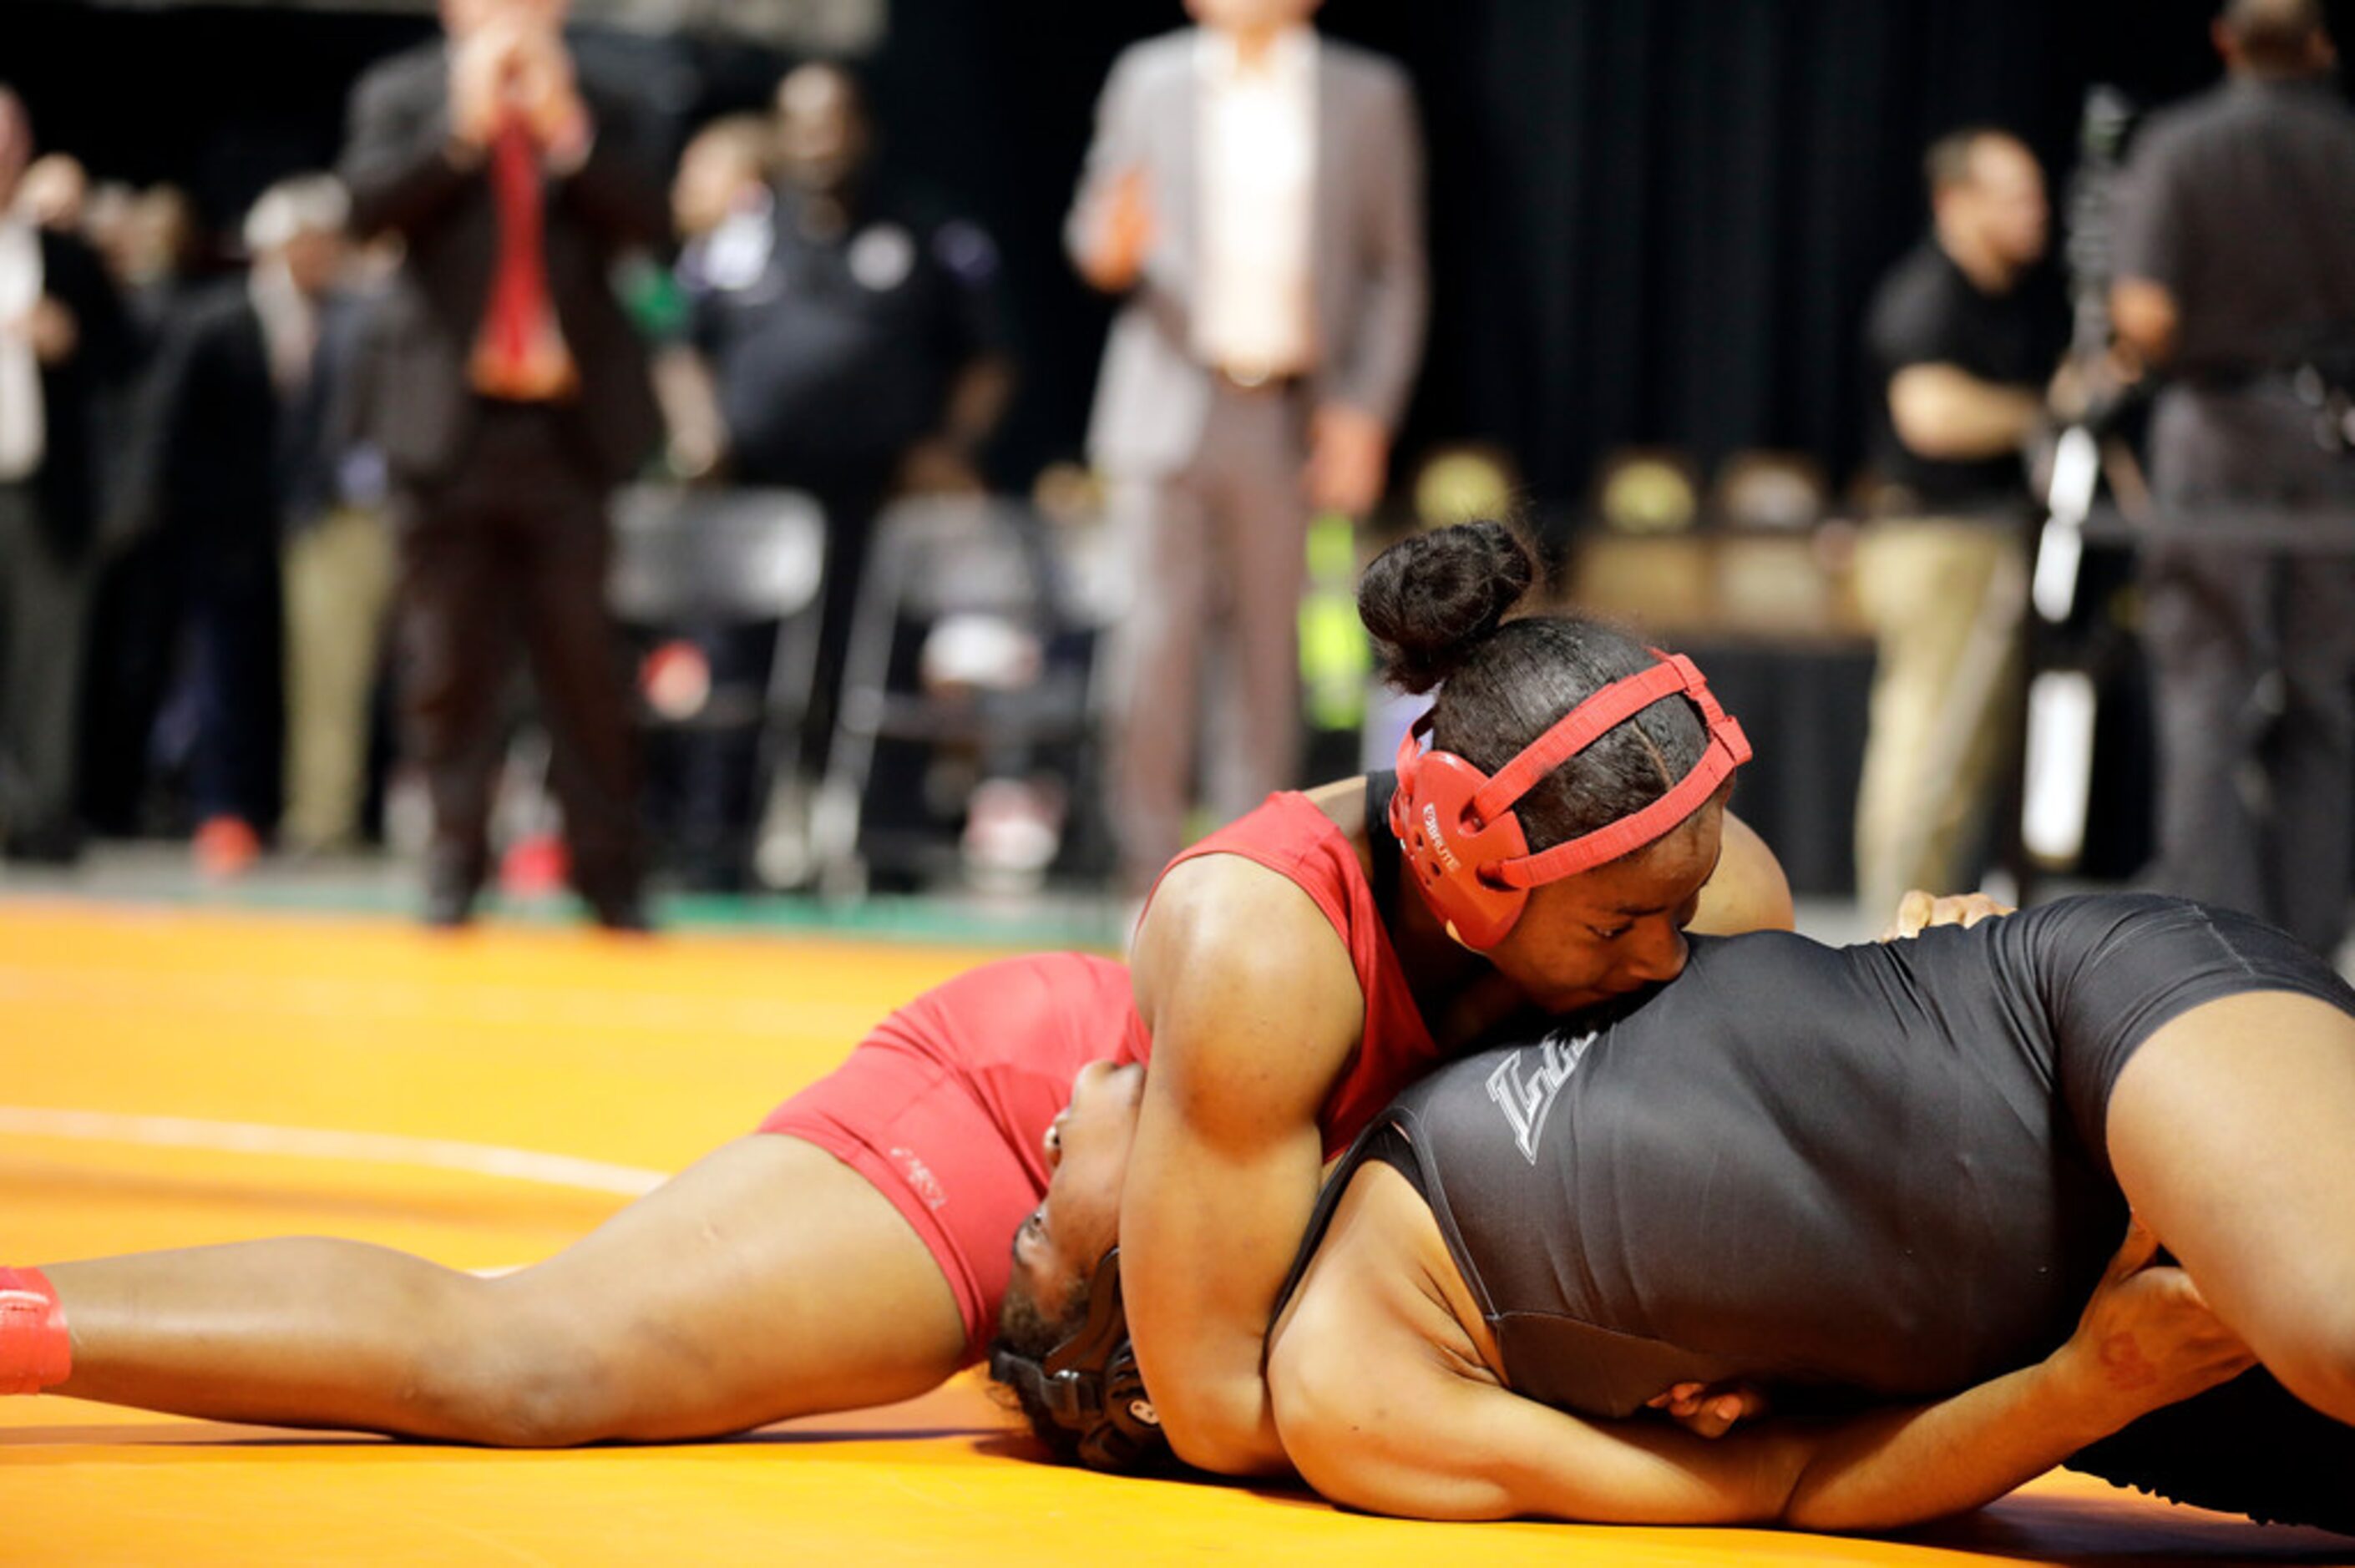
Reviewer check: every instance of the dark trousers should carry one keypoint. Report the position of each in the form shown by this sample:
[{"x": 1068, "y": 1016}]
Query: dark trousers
[
  {"x": 2253, "y": 667},
  {"x": 185, "y": 677},
  {"x": 514, "y": 545},
  {"x": 140, "y": 604},
  {"x": 44, "y": 601},
  {"x": 237, "y": 641}
]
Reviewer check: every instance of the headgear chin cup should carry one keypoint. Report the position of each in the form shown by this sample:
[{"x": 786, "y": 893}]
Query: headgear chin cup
[
  {"x": 1464, "y": 845},
  {"x": 1090, "y": 1383}
]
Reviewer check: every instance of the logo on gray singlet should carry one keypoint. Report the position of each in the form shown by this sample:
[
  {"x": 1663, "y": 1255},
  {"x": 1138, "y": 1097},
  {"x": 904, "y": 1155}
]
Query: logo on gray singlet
[{"x": 1524, "y": 1091}]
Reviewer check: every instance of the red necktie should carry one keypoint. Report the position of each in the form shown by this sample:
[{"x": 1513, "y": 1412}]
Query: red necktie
[{"x": 519, "y": 354}]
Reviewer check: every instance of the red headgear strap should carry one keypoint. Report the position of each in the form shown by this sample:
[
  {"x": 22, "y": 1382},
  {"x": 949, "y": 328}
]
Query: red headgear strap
[
  {"x": 1727, "y": 749},
  {"x": 1490, "y": 798}
]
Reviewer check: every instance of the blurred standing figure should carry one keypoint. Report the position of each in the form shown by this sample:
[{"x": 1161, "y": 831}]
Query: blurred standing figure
[
  {"x": 720, "y": 199},
  {"x": 1254, "y": 193},
  {"x": 335, "y": 549},
  {"x": 62, "y": 345},
  {"x": 54, "y": 192},
  {"x": 852, "y": 331},
  {"x": 157, "y": 251},
  {"x": 242, "y": 463},
  {"x": 158, "y": 255},
  {"x": 2236, "y": 275},
  {"x": 1960, "y": 340},
  {"x": 508, "y": 395},
  {"x": 854, "y": 337}
]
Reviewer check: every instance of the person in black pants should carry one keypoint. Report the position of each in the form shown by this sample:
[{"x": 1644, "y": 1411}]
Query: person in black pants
[
  {"x": 508, "y": 395},
  {"x": 234, "y": 450},
  {"x": 63, "y": 345},
  {"x": 853, "y": 335},
  {"x": 2236, "y": 282}
]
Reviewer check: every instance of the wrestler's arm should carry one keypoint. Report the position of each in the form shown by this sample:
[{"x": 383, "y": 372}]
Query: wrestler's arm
[
  {"x": 1383, "y": 1405},
  {"x": 1748, "y": 891},
  {"x": 1402, "y": 1431},
  {"x": 1253, "y": 1009},
  {"x": 1385, "y": 1402}
]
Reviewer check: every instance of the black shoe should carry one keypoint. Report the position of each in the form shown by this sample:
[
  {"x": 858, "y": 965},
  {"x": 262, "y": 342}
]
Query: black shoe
[
  {"x": 627, "y": 914},
  {"x": 59, "y": 844},
  {"x": 449, "y": 908}
]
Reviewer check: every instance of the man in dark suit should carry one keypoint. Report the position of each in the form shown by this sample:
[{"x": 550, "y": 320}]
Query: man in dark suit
[
  {"x": 62, "y": 344},
  {"x": 236, "y": 452},
  {"x": 508, "y": 395}
]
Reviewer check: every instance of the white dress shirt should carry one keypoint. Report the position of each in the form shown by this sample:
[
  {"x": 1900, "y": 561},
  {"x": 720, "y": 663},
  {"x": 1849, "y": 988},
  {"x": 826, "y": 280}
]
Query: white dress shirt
[
  {"x": 1254, "y": 312},
  {"x": 24, "y": 432}
]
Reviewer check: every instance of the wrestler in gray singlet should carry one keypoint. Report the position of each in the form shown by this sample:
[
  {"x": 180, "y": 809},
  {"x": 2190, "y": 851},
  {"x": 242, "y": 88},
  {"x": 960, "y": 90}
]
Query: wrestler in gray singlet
[{"x": 1874, "y": 1172}]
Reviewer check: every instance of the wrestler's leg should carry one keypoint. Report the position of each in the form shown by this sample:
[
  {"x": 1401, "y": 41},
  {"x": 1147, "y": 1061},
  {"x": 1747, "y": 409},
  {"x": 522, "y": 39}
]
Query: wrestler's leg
[
  {"x": 2232, "y": 1132},
  {"x": 768, "y": 1280}
]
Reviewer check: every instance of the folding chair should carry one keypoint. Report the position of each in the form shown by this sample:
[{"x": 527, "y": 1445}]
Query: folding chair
[
  {"x": 1011, "y": 681},
  {"x": 722, "y": 560}
]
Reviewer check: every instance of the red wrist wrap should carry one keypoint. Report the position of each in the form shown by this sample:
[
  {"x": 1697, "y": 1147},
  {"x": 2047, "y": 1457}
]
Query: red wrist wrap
[{"x": 35, "y": 1353}]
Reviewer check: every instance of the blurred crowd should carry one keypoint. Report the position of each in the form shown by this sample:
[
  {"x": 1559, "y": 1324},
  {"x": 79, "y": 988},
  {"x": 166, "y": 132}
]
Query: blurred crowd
[
  {"x": 248, "y": 515},
  {"x": 303, "y": 517}
]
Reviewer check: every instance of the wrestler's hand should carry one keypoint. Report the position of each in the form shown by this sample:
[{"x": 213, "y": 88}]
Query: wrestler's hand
[
  {"x": 2148, "y": 1338},
  {"x": 1711, "y": 1410},
  {"x": 1918, "y": 911}
]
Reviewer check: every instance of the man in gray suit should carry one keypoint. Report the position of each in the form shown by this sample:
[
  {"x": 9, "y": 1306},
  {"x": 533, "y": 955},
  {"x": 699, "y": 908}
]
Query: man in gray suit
[{"x": 1254, "y": 193}]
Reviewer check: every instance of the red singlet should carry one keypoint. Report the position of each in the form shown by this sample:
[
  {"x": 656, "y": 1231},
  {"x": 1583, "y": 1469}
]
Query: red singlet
[{"x": 945, "y": 1106}]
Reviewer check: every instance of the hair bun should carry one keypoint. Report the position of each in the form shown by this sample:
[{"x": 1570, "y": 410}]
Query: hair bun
[{"x": 1429, "y": 600}]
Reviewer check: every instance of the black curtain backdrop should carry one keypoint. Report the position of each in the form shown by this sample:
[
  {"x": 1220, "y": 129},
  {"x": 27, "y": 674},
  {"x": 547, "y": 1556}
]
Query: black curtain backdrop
[{"x": 1651, "y": 222}]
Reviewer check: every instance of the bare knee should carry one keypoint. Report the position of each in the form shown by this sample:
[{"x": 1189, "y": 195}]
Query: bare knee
[{"x": 515, "y": 1376}]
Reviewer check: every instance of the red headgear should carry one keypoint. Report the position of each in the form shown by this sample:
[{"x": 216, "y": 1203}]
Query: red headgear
[{"x": 1463, "y": 842}]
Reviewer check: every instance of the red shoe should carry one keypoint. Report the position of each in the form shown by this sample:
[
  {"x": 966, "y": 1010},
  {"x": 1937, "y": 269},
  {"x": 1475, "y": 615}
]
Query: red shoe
[
  {"x": 225, "y": 849},
  {"x": 535, "y": 867},
  {"x": 35, "y": 1352}
]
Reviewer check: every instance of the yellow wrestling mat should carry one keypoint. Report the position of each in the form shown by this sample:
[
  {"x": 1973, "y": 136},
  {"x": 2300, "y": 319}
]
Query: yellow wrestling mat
[{"x": 177, "y": 1078}]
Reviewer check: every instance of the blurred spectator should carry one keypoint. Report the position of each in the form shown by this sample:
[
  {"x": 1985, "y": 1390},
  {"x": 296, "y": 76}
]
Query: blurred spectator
[
  {"x": 150, "y": 242},
  {"x": 1960, "y": 341},
  {"x": 852, "y": 333},
  {"x": 54, "y": 192},
  {"x": 2236, "y": 277},
  {"x": 337, "y": 554},
  {"x": 106, "y": 221},
  {"x": 508, "y": 394},
  {"x": 157, "y": 261},
  {"x": 242, "y": 462},
  {"x": 1254, "y": 194},
  {"x": 723, "y": 177},
  {"x": 722, "y": 211},
  {"x": 62, "y": 347}
]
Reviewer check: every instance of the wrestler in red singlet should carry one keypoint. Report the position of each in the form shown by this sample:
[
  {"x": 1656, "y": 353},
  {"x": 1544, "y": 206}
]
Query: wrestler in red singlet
[{"x": 945, "y": 1106}]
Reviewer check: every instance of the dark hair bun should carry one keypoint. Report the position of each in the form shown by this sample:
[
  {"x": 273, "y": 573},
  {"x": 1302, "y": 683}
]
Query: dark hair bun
[{"x": 1431, "y": 599}]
